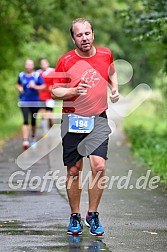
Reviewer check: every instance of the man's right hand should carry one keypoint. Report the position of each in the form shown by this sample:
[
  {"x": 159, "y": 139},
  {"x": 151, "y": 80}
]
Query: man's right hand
[
  {"x": 68, "y": 93},
  {"x": 82, "y": 88}
]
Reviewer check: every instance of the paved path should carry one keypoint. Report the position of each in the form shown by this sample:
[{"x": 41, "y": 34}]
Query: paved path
[{"x": 135, "y": 220}]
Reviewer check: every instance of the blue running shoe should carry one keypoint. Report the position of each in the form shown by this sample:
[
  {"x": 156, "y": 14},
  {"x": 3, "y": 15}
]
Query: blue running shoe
[
  {"x": 75, "y": 227},
  {"x": 33, "y": 142},
  {"x": 92, "y": 221}
]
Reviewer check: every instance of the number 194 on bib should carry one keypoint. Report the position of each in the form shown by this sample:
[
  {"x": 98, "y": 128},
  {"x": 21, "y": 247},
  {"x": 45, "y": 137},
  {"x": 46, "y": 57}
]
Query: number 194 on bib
[{"x": 80, "y": 124}]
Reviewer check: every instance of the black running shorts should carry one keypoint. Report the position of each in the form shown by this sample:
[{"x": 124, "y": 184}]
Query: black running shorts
[{"x": 79, "y": 145}]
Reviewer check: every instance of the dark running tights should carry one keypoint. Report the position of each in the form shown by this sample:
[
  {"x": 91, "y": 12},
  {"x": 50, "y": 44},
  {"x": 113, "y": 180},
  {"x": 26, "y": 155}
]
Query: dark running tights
[{"x": 29, "y": 111}]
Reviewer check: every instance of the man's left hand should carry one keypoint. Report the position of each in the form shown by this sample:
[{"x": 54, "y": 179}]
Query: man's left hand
[{"x": 115, "y": 95}]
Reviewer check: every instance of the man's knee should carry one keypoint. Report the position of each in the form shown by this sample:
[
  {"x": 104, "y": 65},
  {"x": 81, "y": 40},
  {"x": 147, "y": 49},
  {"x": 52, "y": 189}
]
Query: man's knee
[
  {"x": 98, "y": 166},
  {"x": 73, "y": 171}
]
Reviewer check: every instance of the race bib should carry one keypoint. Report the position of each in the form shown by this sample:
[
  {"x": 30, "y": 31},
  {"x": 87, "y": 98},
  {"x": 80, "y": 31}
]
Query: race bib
[{"x": 80, "y": 124}]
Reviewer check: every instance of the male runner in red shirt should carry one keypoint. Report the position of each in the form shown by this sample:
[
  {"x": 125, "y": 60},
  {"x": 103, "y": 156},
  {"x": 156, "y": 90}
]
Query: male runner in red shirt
[
  {"x": 88, "y": 71},
  {"x": 47, "y": 102}
]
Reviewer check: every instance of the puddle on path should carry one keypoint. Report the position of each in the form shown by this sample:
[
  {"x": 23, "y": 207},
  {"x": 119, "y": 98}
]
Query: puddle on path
[
  {"x": 22, "y": 192},
  {"x": 26, "y": 237}
]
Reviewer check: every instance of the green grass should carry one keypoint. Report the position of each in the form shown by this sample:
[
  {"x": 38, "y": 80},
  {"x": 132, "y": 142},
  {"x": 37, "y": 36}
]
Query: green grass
[
  {"x": 58, "y": 107},
  {"x": 146, "y": 128},
  {"x": 10, "y": 126}
]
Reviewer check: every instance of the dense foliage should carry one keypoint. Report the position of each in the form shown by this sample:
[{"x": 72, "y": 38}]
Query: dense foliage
[
  {"x": 146, "y": 22},
  {"x": 41, "y": 29},
  {"x": 148, "y": 133}
]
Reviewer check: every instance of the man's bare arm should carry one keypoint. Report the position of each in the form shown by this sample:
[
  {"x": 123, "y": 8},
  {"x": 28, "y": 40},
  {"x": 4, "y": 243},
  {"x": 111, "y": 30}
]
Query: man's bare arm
[
  {"x": 113, "y": 85},
  {"x": 67, "y": 93},
  {"x": 19, "y": 88},
  {"x": 63, "y": 93}
]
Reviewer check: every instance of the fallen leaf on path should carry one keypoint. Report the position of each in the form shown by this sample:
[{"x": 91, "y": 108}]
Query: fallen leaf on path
[{"x": 149, "y": 232}]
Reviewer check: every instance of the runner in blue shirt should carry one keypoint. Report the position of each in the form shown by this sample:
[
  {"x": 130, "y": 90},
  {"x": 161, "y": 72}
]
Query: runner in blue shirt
[{"x": 28, "y": 85}]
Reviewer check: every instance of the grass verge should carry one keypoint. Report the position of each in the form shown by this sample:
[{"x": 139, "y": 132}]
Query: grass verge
[
  {"x": 146, "y": 128},
  {"x": 10, "y": 127}
]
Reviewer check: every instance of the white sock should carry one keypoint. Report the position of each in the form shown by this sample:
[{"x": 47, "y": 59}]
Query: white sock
[{"x": 44, "y": 124}]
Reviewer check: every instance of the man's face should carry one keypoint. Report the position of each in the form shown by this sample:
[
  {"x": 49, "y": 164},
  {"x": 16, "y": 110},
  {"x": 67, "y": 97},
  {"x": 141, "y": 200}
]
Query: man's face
[
  {"x": 83, "y": 36},
  {"x": 29, "y": 66},
  {"x": 44, "y": 64}
]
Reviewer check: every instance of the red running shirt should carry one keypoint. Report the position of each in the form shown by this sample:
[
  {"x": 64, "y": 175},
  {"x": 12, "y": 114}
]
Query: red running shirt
[
  {"x": 94, "y": 71},
  {"x": 45, "y": 94}
]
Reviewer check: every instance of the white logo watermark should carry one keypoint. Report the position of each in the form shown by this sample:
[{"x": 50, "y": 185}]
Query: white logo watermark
[{"x": 50, "y": 179}]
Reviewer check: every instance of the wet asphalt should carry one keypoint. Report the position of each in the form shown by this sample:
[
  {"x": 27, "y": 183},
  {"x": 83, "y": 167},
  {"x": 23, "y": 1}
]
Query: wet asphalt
[{"x": 34, "y": 213}]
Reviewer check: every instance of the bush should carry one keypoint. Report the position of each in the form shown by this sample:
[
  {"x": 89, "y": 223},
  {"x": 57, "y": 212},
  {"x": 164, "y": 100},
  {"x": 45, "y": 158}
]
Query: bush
[
  {"x": 148, "y": 134},
  {"x": 8, "y": 102}
]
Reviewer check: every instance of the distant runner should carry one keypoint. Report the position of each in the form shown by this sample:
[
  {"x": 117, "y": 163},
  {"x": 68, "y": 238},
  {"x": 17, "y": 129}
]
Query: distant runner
[
  {"x": 45, "y": 96},
  {"x": 28, "y": 85}
]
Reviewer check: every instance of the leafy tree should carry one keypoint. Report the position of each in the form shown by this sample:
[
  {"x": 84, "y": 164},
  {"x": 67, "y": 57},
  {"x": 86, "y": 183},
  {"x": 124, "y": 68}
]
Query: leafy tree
[
  {"x": 145, "y": 22},
  {"x": 146, "y": 19},
  {"x": 27, "y": 30},
  {"x": 40, "y": 28}
]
